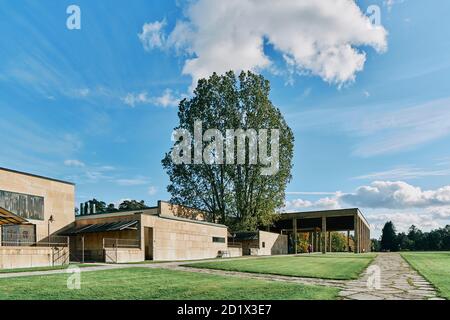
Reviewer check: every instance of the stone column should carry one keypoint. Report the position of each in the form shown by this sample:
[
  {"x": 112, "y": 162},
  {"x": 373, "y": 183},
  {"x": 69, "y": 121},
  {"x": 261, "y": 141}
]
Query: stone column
[
  {"x": 356, "y": 234},
  {"x": 348, "y": 240},
  {"x": 324, "y": 234},
  {"x": 294, "y": 227},
  {"x": 329, "y": 241}
]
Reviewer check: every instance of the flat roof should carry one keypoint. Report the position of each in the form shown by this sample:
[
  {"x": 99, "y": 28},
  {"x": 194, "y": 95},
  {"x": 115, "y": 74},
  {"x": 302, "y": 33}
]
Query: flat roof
[
  {"x": 146, "y": 211},
  {"x": 36, "y": 176},
  {"x": 316, "y": 213}
]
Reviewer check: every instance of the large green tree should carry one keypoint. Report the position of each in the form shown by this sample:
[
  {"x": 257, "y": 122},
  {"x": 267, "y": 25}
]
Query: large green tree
[
  {"x": 389, "y": 237},
  {"x": 236, "y": 192}
]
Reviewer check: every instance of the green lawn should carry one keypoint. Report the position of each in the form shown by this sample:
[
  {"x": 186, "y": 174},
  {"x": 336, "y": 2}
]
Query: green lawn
[
  {"x": 434, "y": 266},
  {"x": 329, "y": 266},
  {"x": 145, "y": 283},
  {"x": 45, "y": 268}
]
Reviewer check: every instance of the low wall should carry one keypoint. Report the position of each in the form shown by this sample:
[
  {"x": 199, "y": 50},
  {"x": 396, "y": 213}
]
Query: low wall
[
  {"x": 272, "y": 243},
  {"x": 123, "y": 255},
  {"x": 235, "y": 251},
  {"x": 28, "y": 257}
]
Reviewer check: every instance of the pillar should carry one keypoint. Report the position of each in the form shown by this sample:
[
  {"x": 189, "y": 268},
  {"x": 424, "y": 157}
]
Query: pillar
[
  {"x": 329, "y": 241},
  {"x": 324, "y": 234},
  {"x": 348, "y": 240},
  {"x": 355, "y": 234},
  {"x": 294, "y": 227}
]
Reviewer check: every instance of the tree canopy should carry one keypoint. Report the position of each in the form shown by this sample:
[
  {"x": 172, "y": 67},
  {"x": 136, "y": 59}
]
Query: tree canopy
[
  {"x": 237, "y": 191},
  {"x": 413, "y": 240}
]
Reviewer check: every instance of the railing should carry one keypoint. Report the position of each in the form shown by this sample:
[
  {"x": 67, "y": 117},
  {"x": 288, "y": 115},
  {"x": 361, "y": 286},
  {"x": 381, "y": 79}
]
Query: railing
[
  {"x": 234, "y": 245},
  {"x": 53, "y": 241},
  {"x": 120, "y": 243}
]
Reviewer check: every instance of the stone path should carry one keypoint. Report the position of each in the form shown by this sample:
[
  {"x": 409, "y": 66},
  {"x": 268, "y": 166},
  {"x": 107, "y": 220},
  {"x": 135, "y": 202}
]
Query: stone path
[
  {"x": 396, "y": 281},
  {"x": 271, "y": 277}
]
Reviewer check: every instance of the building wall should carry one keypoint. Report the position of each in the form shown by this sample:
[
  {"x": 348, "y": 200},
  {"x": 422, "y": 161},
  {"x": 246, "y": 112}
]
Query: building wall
[
  {"x": 274, "y": 243},
  {"x": 169, "y": 209},
  {"x": 183, "y": 240},
  {"x": 93, "y": 242},
  {"x": 28, "y": 257},
  {"x": 171, "y": 239},
  {"x": 58, "y": 199}
]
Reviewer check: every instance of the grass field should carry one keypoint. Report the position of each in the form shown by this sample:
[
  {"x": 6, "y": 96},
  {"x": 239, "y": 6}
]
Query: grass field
[
  {"x": 145, "y": 283},
  {"x": 329, "y": 266},
  {"x": 434, "y": 266},
  {"x": 45, "y": 268}
]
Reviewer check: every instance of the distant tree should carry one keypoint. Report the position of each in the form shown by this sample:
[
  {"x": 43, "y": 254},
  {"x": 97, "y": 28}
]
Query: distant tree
[
  {"x": 403, "y": 242},
  {"x": 388, "y": 237},
  {"x": 111, "y": 207},
  {"x": 376, "y": 245},
  {"x": 77, "y": 211},
  {"x": 132, "y": 205},
  {"x": 446, "y": 238},
  {"x": 100, "y": 206},
  {"x": 338, "y": 242}
]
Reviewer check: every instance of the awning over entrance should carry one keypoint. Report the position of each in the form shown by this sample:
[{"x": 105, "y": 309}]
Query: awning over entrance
[
  {"x": 102, "y": 227},
  {"x": 7, "y": 217}
]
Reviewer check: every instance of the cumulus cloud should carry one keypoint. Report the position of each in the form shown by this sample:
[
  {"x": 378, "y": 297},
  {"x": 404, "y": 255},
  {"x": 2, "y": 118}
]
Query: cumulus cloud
[
  {"x": 321, "y": 37},
  {"x": 152, "y": 35},
  {"x": 166, "y": 99},
  {"x": 398, "y": 194},
  {"x": 403, "y": 220},
  {"x": 326, "y": 203}
]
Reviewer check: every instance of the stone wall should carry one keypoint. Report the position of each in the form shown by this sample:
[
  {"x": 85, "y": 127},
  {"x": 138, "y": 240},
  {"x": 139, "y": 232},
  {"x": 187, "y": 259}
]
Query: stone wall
[
  {"x": 58, "y": 199},
  {"x": 28, "y": 257},
  {"x": 272, "y": 243}
]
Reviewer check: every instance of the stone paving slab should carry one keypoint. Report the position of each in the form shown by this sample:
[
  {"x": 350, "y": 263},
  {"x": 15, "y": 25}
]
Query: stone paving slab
[{"x": 389, "y": 277}]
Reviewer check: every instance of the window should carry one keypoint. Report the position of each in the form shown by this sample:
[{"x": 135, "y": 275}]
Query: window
[
  {"x": 263, "y": 244},
  {"x": 23, "y": 205},
  {"x": 218, "y": 239},
  {"x": 18, "y": 235}
]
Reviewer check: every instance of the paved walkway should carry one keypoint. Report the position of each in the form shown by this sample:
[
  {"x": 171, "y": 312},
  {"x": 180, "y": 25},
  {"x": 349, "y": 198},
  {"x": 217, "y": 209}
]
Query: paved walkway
[{"x": 389, "y": 277}]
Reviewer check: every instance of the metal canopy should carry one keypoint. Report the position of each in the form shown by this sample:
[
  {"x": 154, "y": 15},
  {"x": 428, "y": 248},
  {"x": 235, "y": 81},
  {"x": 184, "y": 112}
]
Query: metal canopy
[
  {"x": 7, "y": 217},
  {"x": 102, "y": 227}
]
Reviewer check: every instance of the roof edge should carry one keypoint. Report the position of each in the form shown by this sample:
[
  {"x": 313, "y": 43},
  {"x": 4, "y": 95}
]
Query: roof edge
[{"x": 36, "y": 176}]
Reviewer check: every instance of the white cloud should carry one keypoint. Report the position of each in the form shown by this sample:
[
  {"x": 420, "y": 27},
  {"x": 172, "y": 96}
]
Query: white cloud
[
  {"x": 399, "y": 194},
  {"x": 382, "y": 129},
  {"x": 405, "y": 173},
  {"x": 74, "y": 163},
  {"x": 403, "y": 220},
  {"x": 321, "y": 204},
  {"x": 390, "y": 3},
  {"x": 152, "y": 36},
  {"x": 320, "y": 37},
  {"x": 132, "y": 182},
  {"x": 167, "y": 99}
]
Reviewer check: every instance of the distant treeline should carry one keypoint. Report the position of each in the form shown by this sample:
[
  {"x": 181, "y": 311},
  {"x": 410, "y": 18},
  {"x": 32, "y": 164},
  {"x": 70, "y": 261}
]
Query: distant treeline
[{"x": 413, "y": 240}]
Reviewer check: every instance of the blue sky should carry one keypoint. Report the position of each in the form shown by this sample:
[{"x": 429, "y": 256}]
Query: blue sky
[{"x": 97, "y": 106}]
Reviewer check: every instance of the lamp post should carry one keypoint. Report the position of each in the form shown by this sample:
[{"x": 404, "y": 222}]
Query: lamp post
[{"x": 50, "y": 220}]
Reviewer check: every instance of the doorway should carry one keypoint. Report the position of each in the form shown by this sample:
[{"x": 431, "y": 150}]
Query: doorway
[{"x": 148, "y": 240}]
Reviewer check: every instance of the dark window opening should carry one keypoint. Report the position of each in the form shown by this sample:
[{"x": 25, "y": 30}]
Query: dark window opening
[
  {"x": 218, "y": 239},
  {"x": 263, "y": 244}
]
